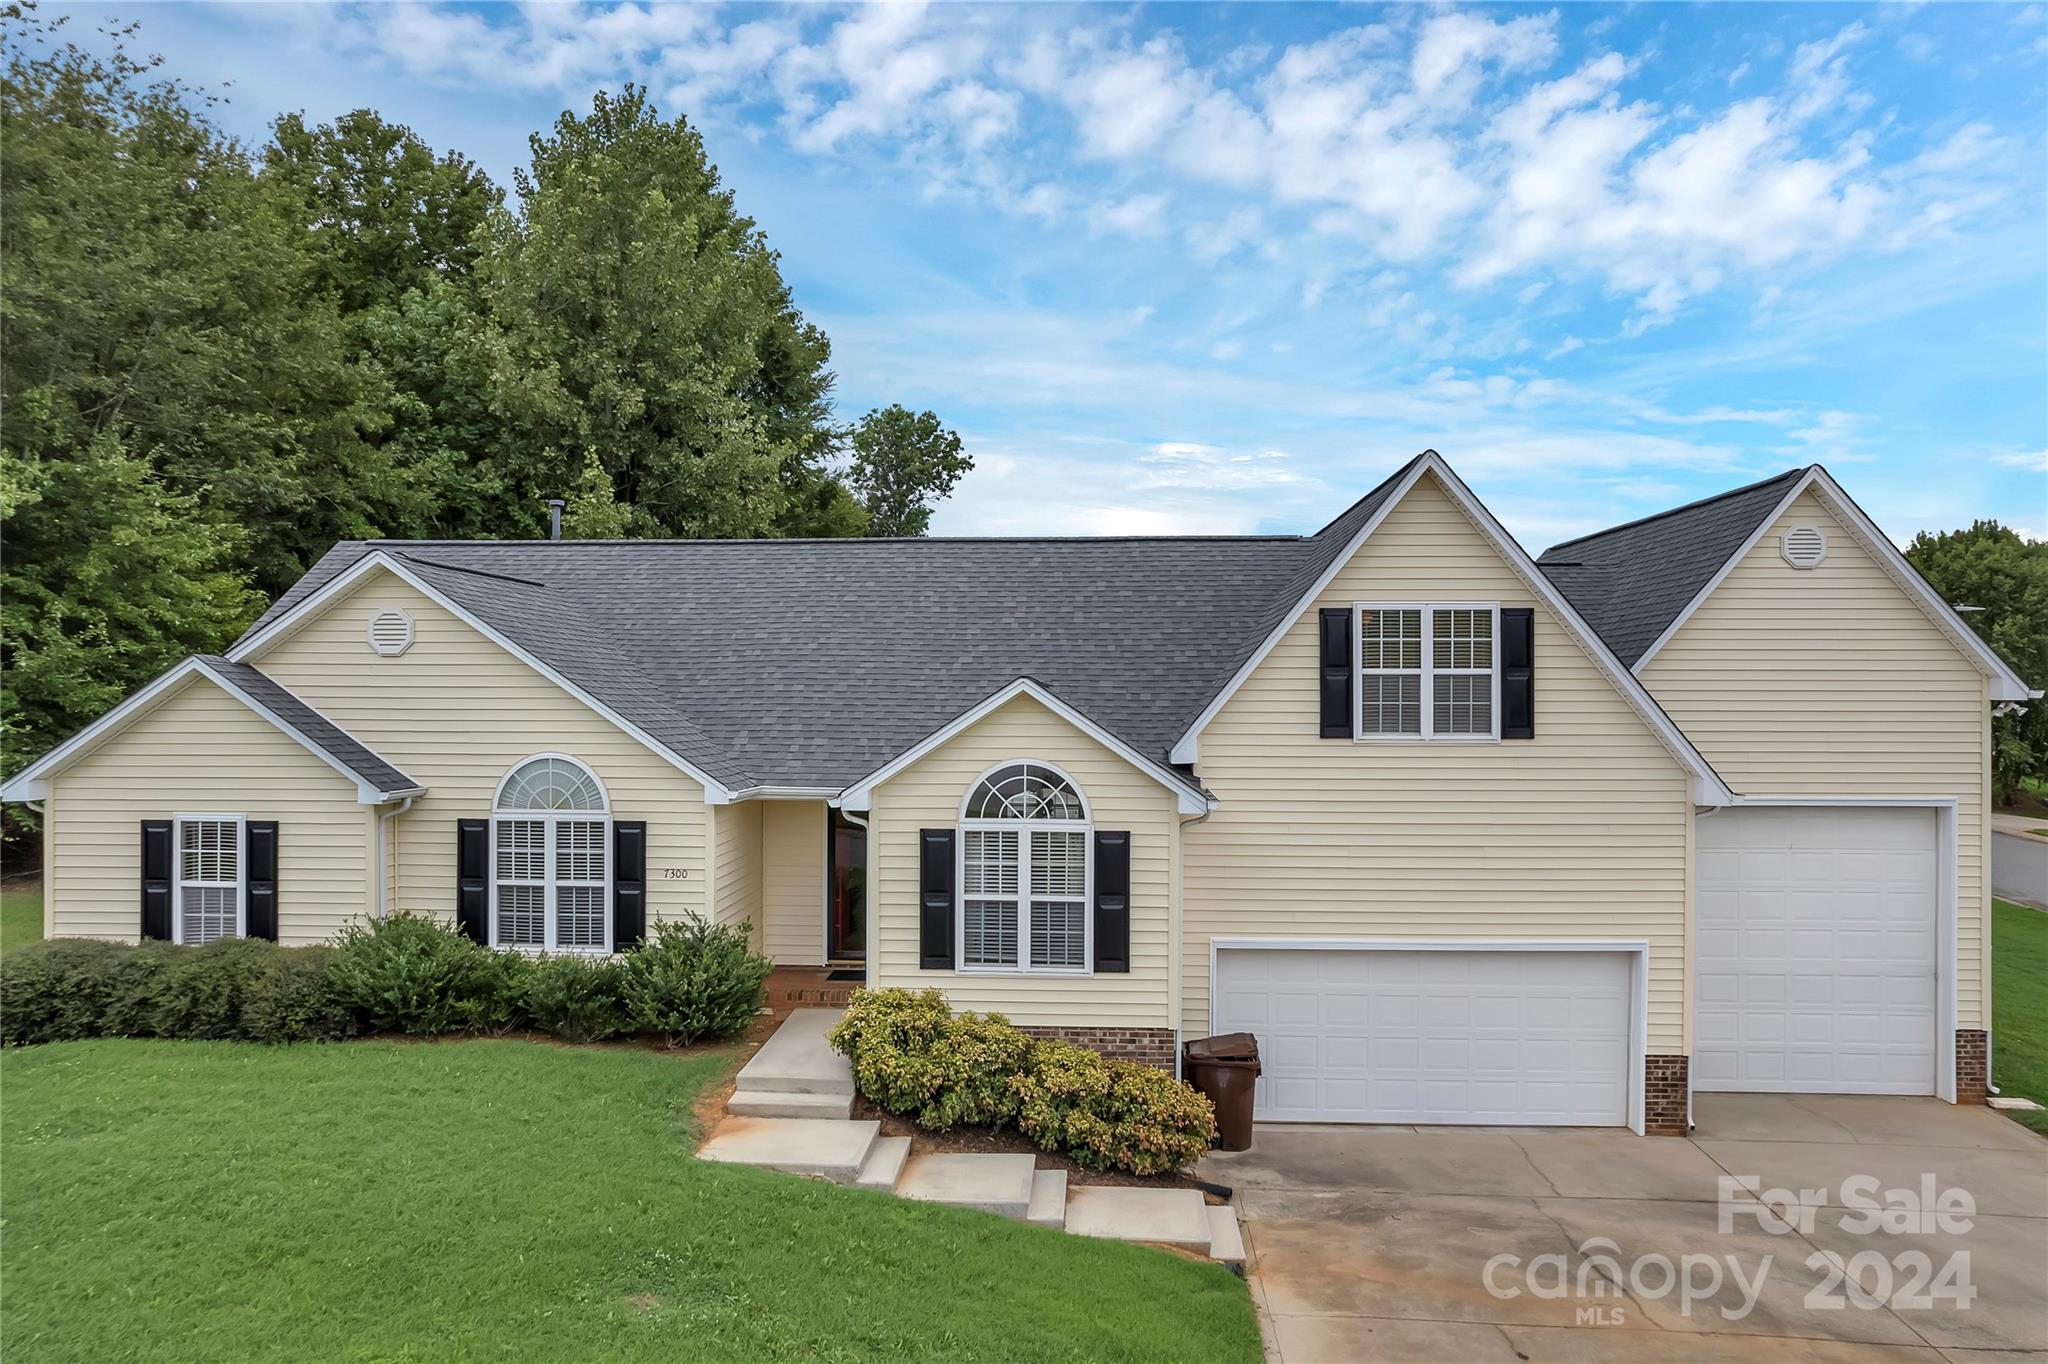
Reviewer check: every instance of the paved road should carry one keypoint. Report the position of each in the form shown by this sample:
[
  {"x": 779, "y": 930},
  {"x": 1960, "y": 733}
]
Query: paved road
[{"x": 2019, "y": 868}]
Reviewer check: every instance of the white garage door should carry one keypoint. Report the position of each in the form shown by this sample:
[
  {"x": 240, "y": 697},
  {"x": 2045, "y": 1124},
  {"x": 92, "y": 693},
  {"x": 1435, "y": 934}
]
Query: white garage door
[
  {"x": 1815, "y": 951},
  {"x": 1350, "y": 1035}
]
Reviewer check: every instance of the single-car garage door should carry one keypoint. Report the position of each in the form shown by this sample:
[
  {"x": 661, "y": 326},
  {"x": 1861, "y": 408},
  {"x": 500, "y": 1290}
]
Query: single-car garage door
[
  {"x": 1815, "y": 950},
  {"x": 1355, "y": 1035}
]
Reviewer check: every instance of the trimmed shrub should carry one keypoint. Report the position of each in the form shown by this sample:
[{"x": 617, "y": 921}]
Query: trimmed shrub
[
  {"x": 199, "y": 991},
  {"x": 493, "y": 1001},
  {"x": 290, "y": 1000},
  {"x": 695, "y": 979},
  {"x": 576, "y": 998},
  {"x": 1109, "y": 1114},
  {"x": 236, "y": 989},
  {"x": 65, "y": 988},
  {"x": 406, "y": 973}
]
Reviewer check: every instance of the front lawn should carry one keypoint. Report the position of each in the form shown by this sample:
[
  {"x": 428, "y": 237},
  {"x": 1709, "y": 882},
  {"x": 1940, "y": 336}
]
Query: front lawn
[
  {"x": 21, "y": 916},
  {"x": 486, "y": 1200},
  {"x": 2019, "y": 1005}
]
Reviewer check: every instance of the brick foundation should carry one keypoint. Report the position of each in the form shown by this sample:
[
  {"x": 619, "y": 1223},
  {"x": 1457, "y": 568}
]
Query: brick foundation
[
  {"x": 1148, "y": 1046},
  {"x": 1667, "y": 1095},
  {"x": 1973, "y": 1049}
]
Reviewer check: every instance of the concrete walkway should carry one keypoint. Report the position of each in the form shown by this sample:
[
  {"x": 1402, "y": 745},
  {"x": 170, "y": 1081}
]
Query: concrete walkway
[
  {"x": 2019, "y": 859},
  {"x": 790, "y": 1112},
  {"x": 1375, "y": 1242}
]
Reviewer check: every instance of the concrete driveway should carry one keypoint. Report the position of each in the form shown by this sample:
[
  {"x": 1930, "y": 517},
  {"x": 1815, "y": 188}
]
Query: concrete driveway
[{"x": 1374, "y": 1243}]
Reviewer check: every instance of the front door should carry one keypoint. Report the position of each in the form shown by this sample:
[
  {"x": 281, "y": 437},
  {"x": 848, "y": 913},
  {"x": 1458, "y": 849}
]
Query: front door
[{"x": 846, "y": 889}]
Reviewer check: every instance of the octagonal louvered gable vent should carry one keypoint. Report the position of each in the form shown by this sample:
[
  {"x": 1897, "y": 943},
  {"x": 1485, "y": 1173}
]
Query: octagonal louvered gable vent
[
  {"x": 390, "y": 632},
  {"x": 1804, "y": 546}
]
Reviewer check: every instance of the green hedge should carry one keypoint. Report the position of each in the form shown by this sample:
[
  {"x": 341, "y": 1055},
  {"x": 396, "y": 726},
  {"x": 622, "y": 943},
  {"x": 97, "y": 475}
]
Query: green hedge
[
  {"x": 403, "y": 974},
  {"x": 912, "y": 1055}
]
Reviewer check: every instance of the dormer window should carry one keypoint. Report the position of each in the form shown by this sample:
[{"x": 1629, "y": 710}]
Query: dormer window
[{"x": 1428, "y": 671}]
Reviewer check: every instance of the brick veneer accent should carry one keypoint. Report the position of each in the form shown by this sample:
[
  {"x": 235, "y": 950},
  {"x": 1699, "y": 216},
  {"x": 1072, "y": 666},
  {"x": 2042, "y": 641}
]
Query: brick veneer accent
[
  {"x": 1972, "y": 1056},
  {"x": 1666, "y": 1095},
  {"x": 1149, "y": 1046}
]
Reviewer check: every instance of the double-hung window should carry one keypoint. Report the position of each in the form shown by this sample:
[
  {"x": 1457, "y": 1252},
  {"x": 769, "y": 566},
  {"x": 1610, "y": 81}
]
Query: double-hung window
[
  {"x": 551, "y": 859},
  {"x": 1428, "y": 672},
  {"x": 1024, "y": 848},
  {"x": 209, "y": 862}
]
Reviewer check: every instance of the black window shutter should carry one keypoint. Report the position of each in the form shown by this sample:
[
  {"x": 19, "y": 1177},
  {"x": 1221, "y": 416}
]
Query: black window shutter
[
  {"x": 1517, "y": 673},
  {"x": 156, "y": 879},
  {"x": 259, "y": 879},
  {"x": 472, "y": 878},
  {"x": 1335, "y": 622},
  {"x": 1112, "y": 900},
  {"x": 935, "y": 899},
  {"x": 629, "y": 883}
]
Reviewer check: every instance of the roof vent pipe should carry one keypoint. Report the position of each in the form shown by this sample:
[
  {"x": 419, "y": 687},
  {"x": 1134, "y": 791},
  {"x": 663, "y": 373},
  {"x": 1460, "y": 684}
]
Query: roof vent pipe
[{"x": 555, "y": 505}]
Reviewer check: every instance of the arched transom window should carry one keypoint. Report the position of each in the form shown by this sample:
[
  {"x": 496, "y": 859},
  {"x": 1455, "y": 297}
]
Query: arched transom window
[
  {"x": 1024, "y": 841},
  {"x": 551, "y": 858}
]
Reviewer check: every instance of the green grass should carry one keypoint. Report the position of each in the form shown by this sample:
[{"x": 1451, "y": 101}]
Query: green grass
[
  {"x": 2019, "y": 1005},
  {"x": 486, "y": 1200},
  {"x": 21, "y": 916}
]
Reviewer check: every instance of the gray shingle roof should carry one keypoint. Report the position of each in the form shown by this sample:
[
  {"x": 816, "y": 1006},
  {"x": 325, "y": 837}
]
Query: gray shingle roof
[
  {"x": 1631, "y": 581},
  {"x": 815, "y": 662},
  {"x": 316, "y": 728}
]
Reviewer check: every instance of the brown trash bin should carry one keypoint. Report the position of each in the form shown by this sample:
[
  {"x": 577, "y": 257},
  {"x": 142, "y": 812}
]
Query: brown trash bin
[{"x": 1226, "y": 1069}]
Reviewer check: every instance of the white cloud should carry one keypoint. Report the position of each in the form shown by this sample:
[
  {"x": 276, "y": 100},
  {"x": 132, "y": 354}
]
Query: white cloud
[{"x": 2033, "y": 461}]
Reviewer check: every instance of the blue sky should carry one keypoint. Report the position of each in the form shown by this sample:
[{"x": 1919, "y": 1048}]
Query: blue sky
[{"x": 1216, "y": 268}]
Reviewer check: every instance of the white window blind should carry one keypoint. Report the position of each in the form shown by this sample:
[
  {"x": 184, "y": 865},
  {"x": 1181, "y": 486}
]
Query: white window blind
[
  {"x": 551, "y": 876},
  {"x": 1428, "y": 672},
  {"x": 209, "y": 878},
  {"x": 1024, "y": 849}
]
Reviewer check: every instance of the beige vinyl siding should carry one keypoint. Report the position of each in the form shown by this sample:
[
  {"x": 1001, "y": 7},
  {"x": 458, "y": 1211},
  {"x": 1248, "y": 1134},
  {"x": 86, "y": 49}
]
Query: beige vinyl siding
[
  {"x": 1580, "y": 832},
  {"x": 456, "y": 712},
  {"x": 200, "y": 751},
  {"x": 793, "y": 881},
  {"x": 928, "y": 794},
  {"x": 736, "y": 878},
  {"x": 1832, "y": 681}
]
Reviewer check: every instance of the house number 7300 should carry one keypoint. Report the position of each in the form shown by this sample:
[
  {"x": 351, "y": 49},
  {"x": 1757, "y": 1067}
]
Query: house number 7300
[{"x": 674, "y": 873}]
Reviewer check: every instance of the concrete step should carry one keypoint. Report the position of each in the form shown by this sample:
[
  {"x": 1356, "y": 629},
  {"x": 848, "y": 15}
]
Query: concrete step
[
  {"x": 885, "y": 1164},
  {"x": 820, "y": 1148},
  {"x": 989, "y": 1182},
  {"x": 1048, "y": 1199},
  {"x": 798, "y": 1059},
  {"x": 1172, "y": 1217},
  {"x": 768, "y": 1103},
  {"x": 1226, "y": 1238}
]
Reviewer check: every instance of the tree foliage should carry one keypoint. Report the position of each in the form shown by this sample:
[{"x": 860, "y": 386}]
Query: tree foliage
[
  {"x": 902, "y": 462},
  {"x": 2005, "y": 577},
  {"x": 214, "y": 364}
]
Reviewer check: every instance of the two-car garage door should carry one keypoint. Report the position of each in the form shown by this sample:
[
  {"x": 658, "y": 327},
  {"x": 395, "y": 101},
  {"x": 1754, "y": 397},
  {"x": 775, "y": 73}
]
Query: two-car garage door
[{"x": 1348, "y": 1034}]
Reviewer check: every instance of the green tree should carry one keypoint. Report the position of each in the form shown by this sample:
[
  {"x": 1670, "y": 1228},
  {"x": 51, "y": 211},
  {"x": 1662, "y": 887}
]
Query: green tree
[
  {"x": 635, "y": 318},
  {"x": 108, "y": 579},
  {"x": 383, "y": 213},
  {"x": 2005, "y": 577},
  {"x": 160, "y": 294},
  {"x": 903, "y": 463}
]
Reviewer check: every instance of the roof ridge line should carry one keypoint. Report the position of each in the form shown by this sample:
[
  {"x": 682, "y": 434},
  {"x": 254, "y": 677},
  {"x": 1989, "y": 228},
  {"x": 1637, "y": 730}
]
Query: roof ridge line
[
  {"x": 459, "y": 568},
  {"x": 1673, "y": 511}
]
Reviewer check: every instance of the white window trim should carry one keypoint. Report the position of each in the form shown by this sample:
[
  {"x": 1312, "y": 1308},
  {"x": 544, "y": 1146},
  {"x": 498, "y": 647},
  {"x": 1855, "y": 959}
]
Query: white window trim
[
  {"x": 1024, "y": 828},
  {"x": 548, "y": 819},
  {"x": 178, "y": 881},
  {"x": 1429, "y": 672}
]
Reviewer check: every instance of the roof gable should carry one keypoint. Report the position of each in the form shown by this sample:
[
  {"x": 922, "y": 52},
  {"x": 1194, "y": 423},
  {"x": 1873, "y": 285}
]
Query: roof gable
[
  {"x": 376, "y": 781},
  {"x": 1708, "y": 788},
  {"x": 1634, "y": 576},
  {"x": 1631, "y": 581}
]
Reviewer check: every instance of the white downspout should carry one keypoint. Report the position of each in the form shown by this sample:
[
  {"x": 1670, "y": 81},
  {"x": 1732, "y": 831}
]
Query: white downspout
[
  {"x": 383, "y": 836},
  {"x": 1178, "y": 935}
]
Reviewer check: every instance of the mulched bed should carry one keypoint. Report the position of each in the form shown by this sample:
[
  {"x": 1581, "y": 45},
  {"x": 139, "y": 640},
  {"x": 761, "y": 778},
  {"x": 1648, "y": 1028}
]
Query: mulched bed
[{"x": 1010, "y": 1141}]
